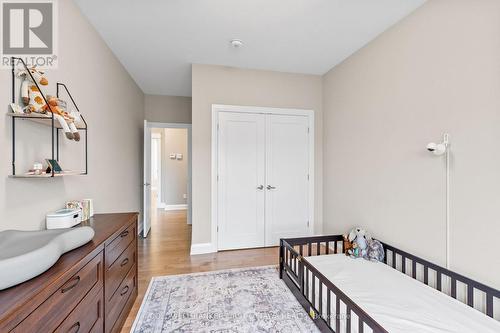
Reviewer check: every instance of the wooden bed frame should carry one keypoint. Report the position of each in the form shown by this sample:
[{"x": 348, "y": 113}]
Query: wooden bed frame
[{"x": 295, "y": 270}]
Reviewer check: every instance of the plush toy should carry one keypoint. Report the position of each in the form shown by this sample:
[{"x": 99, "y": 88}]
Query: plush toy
[
  {"x": 358, "y": 236},
  {"x": 354, "y": 252},
  {"x": 31, "y": 96},
  {"x": 347, "y": 244},
  {"x": 58, "y": 108},
  {"x": 34, "y": 102},
  {"x": 364, "y": 246},
  {"x": 375, "y": 250}
]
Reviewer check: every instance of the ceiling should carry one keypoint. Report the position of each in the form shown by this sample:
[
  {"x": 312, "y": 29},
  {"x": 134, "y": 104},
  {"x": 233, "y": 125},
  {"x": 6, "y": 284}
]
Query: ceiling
[{"x": 158, "y": 40}]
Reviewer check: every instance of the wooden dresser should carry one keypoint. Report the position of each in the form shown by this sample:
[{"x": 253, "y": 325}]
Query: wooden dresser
[{"x": 89, "y": 289}]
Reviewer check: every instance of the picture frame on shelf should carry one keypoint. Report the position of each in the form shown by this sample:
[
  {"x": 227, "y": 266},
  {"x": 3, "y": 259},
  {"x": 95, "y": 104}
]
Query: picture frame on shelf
[
  {"x": 53, "y": 165},
  {"x": 16, "y": 108}
]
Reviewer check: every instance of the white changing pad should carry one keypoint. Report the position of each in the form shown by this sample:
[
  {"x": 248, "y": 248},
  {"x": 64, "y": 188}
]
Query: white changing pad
[{"x": 396, "y": 301}]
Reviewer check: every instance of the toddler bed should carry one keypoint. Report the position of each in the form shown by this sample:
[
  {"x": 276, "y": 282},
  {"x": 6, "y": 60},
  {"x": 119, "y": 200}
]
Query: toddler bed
[{"x": 402, "y": 294}]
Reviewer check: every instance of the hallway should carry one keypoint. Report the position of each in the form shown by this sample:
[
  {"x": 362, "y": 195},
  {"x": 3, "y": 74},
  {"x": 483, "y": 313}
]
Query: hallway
[{"x": 166, "y": 251}]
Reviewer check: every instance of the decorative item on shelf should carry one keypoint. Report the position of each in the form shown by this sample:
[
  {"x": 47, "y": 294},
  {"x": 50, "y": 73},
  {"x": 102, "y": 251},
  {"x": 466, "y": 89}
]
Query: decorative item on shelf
[
  {"x": 53, "y": 165},
  {"x": 37, "y": 168},
  {"x": 66, "y": 120},
  {"x": 31, "y": 95},
  {"x": 36, "y": 102},
  {"x": 16, "y": 108}
]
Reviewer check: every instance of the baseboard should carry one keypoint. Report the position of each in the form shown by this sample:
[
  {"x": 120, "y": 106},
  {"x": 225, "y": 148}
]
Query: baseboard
[
  {"x": 140, "y": 227},
  {"x": 176, "y": 207},
  {"x": 161, "y": 205},
  {"x": 203, "y": 248}
]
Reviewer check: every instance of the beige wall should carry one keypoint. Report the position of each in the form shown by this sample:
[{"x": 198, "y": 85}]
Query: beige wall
[
  {"x": 224, "y": 85},
  {"x": 174, "y": 172},
  {"x": 114, "y": 108},
  {"x": 438, "y": 70},
  {"x": 167, "y": 109}
]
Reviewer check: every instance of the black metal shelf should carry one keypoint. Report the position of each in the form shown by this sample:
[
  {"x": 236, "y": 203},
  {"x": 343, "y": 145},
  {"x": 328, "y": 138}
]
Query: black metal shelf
[
  {"x": 49, "y": 175},
  {"x": 42, "y": 119},
  {"x": 46, "y": 120}
]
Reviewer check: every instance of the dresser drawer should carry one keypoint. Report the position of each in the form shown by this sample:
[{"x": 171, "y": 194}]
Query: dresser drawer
[
  {"x": 87, "y": 317},
  {"x": 52, "y": 312},
  {"x": 116, "y": 247},
  {"x": 118, "y": 270},
  {"x": 117, "y": 303}
]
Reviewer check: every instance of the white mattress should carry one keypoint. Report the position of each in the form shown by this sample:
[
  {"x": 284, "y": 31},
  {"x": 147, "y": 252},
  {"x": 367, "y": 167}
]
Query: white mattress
[{"x": 396, "y": 301}]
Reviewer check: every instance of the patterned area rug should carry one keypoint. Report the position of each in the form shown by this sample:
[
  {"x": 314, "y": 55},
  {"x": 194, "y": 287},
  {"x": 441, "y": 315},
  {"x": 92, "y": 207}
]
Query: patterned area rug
[{"x": 237, "y": 300}]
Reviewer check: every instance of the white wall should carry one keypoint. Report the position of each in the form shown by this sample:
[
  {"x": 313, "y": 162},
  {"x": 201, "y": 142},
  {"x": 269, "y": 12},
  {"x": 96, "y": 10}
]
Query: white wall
[
  {"x": 167, "y": 109},
  {"x": 225, "y": 85},
  {"x": 174, "y": 172},
  {"x": 437, "y": 70},
  {"x": 114, "y": 108}
]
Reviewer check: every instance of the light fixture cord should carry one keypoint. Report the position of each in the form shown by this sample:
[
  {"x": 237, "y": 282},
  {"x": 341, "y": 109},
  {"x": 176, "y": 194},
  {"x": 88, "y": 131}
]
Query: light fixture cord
[{"x": 446, "y": 141}]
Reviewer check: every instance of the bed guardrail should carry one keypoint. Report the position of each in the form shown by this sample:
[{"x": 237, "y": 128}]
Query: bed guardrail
[
  {"x": 443, "y": 279},
  {"x": 311, "y": 287}
]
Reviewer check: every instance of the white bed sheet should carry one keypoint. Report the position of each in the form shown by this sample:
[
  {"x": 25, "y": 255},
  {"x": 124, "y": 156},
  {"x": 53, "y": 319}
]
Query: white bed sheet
[{"x": 396, "y": 301}]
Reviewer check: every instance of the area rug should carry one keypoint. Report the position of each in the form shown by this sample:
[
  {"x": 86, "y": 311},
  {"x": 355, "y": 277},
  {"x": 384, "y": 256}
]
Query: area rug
[{"x": 237, "y": 300}]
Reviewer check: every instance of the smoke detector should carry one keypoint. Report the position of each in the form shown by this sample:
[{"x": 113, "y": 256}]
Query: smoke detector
[{"x": 236, "y": 43}]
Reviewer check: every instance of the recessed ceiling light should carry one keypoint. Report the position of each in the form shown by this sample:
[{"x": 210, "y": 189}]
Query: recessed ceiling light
[{"x": 236, "y": 43}]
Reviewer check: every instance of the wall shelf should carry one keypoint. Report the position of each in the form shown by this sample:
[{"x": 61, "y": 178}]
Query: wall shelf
[
  {"x": 43, "y": 119},
  {"x": 49, "y": 175},
  {"x": 46, "y": 120}
]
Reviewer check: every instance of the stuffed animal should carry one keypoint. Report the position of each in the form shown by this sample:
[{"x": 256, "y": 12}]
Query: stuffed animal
[
  {"x": 375, "y": 250},
  {"x": 358, "y": 236},
  {"x": 347, "y": 244},
  {"x": 34, "y": 102},
  {"x": 354, "y": 252},
  {"x": 364, "y": 246},
  {"x": 58, "y": 108},
  {"x": 30, "y": 94}
]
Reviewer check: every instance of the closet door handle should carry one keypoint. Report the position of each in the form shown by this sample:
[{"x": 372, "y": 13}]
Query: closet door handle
[
  {"x": 269, "y": 187},
  {"x": 260, "y": 187}
]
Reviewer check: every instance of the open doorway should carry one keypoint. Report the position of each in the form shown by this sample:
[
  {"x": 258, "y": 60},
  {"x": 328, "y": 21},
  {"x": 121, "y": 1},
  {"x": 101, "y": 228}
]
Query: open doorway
[{"x": 167, "y": 176}]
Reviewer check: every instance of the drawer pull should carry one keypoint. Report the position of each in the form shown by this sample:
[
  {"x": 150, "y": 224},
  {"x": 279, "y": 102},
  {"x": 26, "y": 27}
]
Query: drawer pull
[
  {"x": 75, "y": 325},
  {"x": 124, "y": 262},
  {"x": 124, "y": 290},
  {"x": 76, "y": 279},
  {"x": 124, "y": 234}
]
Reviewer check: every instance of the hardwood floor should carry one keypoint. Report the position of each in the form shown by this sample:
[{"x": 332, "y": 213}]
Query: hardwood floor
[{"x": 166, "y": 252}]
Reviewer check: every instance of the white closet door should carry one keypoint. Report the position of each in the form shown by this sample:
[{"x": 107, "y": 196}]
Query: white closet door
[
  {"x": 287, "y": 184},
  {"x": 241, "y": 173}
]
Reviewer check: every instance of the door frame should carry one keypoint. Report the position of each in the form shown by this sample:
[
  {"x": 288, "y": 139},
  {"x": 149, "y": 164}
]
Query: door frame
[
  {"x": 190, "y": 159},
  {"x": 155, "y": 136},
  {"x": 146, "y": 205},
  {"x": 218, "y": 108}
]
